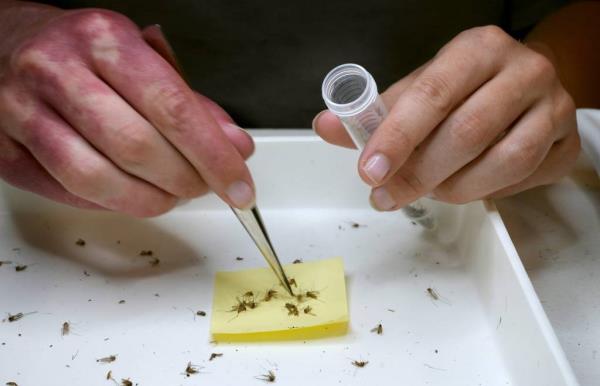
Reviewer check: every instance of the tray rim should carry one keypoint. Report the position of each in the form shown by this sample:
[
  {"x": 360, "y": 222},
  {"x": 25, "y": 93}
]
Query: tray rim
[
  {"x": 531, "y": 296},
  {"x": 491, "y": 211}
]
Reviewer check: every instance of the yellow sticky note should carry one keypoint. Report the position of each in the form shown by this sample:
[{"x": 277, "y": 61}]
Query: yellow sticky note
[{"x": 251, "y": 305}]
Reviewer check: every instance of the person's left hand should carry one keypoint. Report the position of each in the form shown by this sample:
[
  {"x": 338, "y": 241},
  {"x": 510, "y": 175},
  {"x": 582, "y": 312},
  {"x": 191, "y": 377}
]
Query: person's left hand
[{"x": 486, "y": 117}]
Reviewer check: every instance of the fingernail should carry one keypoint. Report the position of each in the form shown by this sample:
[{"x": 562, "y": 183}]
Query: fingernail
[
  {"x": 240, "y": 194},
  {"x": 315, "y": 119},
  {"x": 381, "y": 199},
  {"x": 377, "y": 167}
]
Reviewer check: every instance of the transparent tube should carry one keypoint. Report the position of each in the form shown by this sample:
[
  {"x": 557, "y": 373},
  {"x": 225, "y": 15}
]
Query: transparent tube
[{"x": 350, "y": 92}]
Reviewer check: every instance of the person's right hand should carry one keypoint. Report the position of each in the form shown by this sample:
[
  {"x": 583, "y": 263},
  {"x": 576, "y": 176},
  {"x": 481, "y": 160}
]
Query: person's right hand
[{"x": 92, "y": 116}]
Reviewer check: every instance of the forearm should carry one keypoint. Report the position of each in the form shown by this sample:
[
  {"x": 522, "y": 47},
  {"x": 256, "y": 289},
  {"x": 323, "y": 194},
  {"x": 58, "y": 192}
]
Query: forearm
[
  {"x": 17, "y": 20},
  {"x": 569, "y": 38}
]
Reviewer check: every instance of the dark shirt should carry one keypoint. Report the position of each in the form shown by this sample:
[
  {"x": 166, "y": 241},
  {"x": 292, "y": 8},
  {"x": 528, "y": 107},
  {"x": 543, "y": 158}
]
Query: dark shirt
[{"x": 263, "y": 61}]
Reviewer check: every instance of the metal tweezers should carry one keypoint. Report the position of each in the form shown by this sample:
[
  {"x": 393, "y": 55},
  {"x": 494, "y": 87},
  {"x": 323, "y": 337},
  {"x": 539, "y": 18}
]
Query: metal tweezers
[{"x": 251, "y": 220}]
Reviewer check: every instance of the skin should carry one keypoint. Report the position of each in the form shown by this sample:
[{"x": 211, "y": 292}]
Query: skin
[
  {"x": 486, "y": 117},
  {"x": 95, "y": 115}
]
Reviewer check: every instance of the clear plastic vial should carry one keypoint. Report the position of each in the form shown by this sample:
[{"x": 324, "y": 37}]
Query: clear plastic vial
[{"x": 350, "y": 92}]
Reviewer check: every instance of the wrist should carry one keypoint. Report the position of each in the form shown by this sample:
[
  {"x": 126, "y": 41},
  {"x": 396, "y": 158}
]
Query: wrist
[{"x": 543, "y": 49}]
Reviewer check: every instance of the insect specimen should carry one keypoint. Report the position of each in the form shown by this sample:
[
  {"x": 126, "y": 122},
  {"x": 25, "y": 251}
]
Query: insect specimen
[
  {"x": 292, "y": 309},
  {"x": 308, "y": 310},
  {"x": 378, "y": 329},
  {"x": 66, "y": 328},
  {"x": 239, "y": 307},
  {"x": 215, "y": 355},
  {"x": 297, "y": 261},
  {"x": 271, "y": 294},
  {"x": 434, "y": 295},
  {"x": 360, "y": 363},
  {"x": 15, "y": 317},
  {"x": 268, "y": 377},
  {"x": 252, "y": 304},
  {"x": 20, "y": 268},
  {"x": 80, "y": 242},
  {"x": 108, "y": 359},
  {"x": 191, "y": 369},
  {"x": 249, "y": 300}
]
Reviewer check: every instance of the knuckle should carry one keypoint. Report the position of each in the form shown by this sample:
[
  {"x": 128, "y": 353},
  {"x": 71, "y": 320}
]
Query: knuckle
[
  {"x": 542, "y": 68},
  {"x": 94, "y": 20},
  {"x": 106, "y": 33},
  {"x": 175, "y": 105},
  {"x": 83, "y": 179},
  {"x": 35, "y": 131},
  {"x": 192, "y": 188},
  {"x": 136, "y": 145},
  {"x": 434, "y": 90},
  {"x": 409, "y": 180},
  {"x": 447, "y": 193},
  {"x": 523, "y": 156},
  {"x": 547, "y": 128},
  {"x": 564, "y": 107},
  {"x": 181, "y": 181},
  {"x": 517, "y": 95},
  {"x": 468, "y": 131},
  {"x": 491, "y": 36},
  {"x": 152, "y": 207},
  {"x": 398, "y": 138},
  {"x": 30, "y": 58}
]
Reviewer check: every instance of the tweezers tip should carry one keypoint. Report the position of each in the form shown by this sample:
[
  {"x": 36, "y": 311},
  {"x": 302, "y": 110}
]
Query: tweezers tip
[{"x": 288, "y": 287}]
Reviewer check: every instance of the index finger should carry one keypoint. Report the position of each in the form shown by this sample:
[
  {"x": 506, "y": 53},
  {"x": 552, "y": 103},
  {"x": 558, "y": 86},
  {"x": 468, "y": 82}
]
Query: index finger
[
  {"x": 147, "y": 81},
  {"x": 330, "y": 128},
  {"x": 468, "y": 61}
]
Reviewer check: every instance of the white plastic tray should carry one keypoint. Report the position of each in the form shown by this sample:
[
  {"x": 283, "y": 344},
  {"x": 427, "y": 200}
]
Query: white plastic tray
[{"x": 487, "y": 328}]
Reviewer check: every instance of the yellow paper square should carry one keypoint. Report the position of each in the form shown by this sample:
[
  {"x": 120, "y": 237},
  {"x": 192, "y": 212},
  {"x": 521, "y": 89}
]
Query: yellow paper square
[{"x": 270, "y": 320}]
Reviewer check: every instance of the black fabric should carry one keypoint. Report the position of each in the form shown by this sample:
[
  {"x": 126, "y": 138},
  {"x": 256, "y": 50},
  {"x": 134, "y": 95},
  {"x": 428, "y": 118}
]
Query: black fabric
[{"x": 263, "y": 61}]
